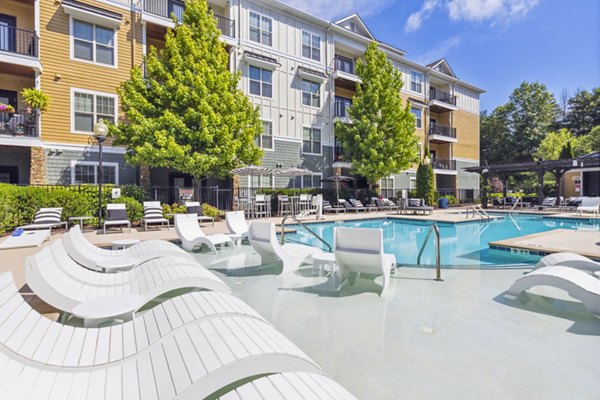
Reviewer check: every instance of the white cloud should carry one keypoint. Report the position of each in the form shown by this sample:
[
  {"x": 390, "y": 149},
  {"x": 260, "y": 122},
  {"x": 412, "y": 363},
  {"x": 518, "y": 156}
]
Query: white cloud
[
  {"x": 440, "y": 51},
  {"x": 503, "y": 11},
  {"x": 415, "y": 19},
  {"x": 331, "y": 10}
]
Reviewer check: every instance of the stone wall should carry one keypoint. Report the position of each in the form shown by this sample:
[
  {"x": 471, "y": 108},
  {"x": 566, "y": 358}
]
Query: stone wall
[{"x": 37, "y": 173}]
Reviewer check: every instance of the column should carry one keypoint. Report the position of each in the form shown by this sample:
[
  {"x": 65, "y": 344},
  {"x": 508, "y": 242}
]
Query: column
[{"x": 37, "y": 171}]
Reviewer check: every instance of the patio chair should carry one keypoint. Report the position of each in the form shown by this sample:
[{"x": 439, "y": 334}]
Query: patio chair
[
  {"x": 349, "y": 207},
  {"x": 194, "y": 207},
  {"x": 579, "y": 284},
  {"x": 361, "y": 250},
  {"x": 263, "y": 239},
  {"x": 571, "y": 260},
  {"x": 388, "y": 203},
  {"x": 359, "y": 205},
  {"x": 192, "y": 237},
  {"x": 184, "y": 347},
  {"x": 589, "y": 204},
  {"x": 284, "y": 205},
  {"x": 237, "y": 224},
  {"x": 153, "y": 214},
  {"x": 328, "y": 208},
  {"x": 549, "y": 202},
  {"x": 46, "y": 218},
  {"x": 117, "y": 216},
  {"x": 417, "y": 206}
]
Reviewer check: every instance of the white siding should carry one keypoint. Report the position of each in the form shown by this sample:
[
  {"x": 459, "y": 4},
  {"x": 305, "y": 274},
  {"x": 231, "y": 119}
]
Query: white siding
[{"x": 467, "y": 99}]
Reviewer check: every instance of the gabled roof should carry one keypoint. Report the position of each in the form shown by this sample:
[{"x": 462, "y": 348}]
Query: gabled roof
[
  {"x": 361, "y": 27},
  {"x": 442, "y": 66}
]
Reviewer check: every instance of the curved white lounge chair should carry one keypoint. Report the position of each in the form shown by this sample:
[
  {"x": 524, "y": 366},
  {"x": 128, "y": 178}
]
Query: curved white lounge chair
[
  {"x": 361, "y": 250},
  {"x": 185, "y": 348},
  {"x": 568, "y": 260},
  {"x": 264, "y": 240},
  {"x": 291, "y": 385},
  {"x": 579, "y": 284},
  {"x": 62, "y": 283},
  {"x": 87, "y": 254},
  {"x": 236, "y": 223},
  {"x": 192, "y": 236},
  {"x": 589, "y": 204}
]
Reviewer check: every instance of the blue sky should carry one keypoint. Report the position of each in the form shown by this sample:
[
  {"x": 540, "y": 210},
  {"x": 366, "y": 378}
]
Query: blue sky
[{"x": 493, "y": 44}]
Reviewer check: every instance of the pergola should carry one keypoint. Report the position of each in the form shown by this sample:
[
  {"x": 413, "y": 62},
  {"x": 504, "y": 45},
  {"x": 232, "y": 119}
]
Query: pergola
[{"x": 557, "y": 167}]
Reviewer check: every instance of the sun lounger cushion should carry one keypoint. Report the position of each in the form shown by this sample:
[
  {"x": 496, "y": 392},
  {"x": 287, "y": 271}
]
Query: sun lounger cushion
[
  {"x": 414, "y": 202},
  {"x": 153, "y": 213},
  {"x": 117, "y": 215},
  {"x": 195, "y": 210}
]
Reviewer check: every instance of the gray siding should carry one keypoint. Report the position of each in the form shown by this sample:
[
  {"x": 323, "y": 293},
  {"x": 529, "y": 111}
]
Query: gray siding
[{"x": 58, "y": 165}]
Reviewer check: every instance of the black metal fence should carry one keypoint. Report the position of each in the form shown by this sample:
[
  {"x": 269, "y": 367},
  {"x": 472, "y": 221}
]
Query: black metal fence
[
  {"x": 19, "y": 41},
  {"x": 18, "y": 123}
]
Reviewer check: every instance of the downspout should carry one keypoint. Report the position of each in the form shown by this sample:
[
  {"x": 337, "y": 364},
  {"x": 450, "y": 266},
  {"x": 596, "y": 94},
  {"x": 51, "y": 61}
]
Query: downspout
[{"x": 133, "y": 34}]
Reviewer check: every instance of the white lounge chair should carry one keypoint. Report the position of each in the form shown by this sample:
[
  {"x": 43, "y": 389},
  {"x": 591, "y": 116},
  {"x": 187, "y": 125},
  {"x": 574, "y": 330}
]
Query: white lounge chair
[
  {"x": 187, "y": 348},
  {"x": 192, "y": 236},
  {"x": 236, "y": 223},
  {"x": 153, "y": 215},
  {"x": 62, "y": 283},
  {"x": 87, "y": 254},
  {"x": 263, "y": 239},
  {"x": 46, "y": 218},
  {"x": 589, "y": 204},
  {"x": 569, "y": 260},
  {"x": 291, "y": 385},
  {"x": 116, "y": 216},
  {"x": 361, "y": 250},
  {"x": 579, "y": 284},
  {"x": 194, "y": 207}
]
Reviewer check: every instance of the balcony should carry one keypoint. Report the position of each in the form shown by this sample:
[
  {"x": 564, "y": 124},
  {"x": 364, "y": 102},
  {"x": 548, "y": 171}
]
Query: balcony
[
  {"x": 344, "y": 75},
  {"x": 19, "y": 47},
  {"x": 442, "y": 134},
  {"x": 441, "y": 165},
  {"x": 440, "y": 101},
  {"x": 341, "y": 106},
  {"x": 19, "y": 124}
]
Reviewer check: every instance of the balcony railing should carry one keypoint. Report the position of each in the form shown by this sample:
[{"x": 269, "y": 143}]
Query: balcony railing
[
  {"x": 442, "y": 130},
  {"x": 18, "y": 41},
  {"x": 439, "y": 95},
  {"x": 440, "y": 163},
  {"x": 226, "y": 26},
  {"x": 343, "y": 64},
  {"x": 341, "y": 107},
  {"x": 19, "y": 123}
]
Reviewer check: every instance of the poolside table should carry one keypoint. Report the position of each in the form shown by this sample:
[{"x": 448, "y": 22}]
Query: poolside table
[
  {"x": 80, "y": 219},
  {"x": 119, "y": 306}
]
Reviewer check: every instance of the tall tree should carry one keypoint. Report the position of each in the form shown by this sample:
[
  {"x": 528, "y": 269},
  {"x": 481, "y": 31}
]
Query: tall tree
[
  {"x": 583, "y": 112},
  {"x": 494, "y": 132},
  {"x": 380, "y": 140},
  {"x": 187, "y": 113},
  {"x": 552, "y": 145}
]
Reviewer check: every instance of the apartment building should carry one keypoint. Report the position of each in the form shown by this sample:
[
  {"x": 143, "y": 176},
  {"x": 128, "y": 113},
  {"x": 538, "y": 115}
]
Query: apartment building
[{"x": 298, "y": 68}]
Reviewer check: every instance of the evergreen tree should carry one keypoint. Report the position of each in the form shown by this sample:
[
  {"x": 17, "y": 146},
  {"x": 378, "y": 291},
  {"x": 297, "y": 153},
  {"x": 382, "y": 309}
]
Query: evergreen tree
[
  {"x": 426, "y": 180},
  {"x": 187, "y": 113},
  {"x": 583, "y": 112},
  {"x": 380, "y": 140},
  {"x": 566, "y": 152}
]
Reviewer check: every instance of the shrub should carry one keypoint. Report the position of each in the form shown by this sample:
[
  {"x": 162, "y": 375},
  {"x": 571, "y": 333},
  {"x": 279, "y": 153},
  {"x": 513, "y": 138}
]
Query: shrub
[
  {"x": 137, "y": 192},
  {"x": 425, "y": 183},
  {"x": 174, "y": 208},
  {"x": 211, "y": 211}
]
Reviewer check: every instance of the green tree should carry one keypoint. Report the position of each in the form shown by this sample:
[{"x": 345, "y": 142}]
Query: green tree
[
  {"x": 550, "y": 148},
  {"x": 494, "y": 132},
  {"x": 566, "y": 152},
  {"x": 187, "y": 112},
  {"x": 425, "y": 179},
  {"x": 583, "y": 112},
  {"x": 589, "y": 143},
  {"x": 381, "y": 139}
]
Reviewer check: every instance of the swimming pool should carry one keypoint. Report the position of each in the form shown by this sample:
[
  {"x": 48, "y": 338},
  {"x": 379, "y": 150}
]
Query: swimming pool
[{"x": 462, "y": 244}]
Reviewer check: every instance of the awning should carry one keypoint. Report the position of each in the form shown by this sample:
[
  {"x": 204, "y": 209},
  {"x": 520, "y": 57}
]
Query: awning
[
  {"x": 260, "y": 60},
  {"x": 91, "y": 13},
  {"x": 312, "y": 74}
]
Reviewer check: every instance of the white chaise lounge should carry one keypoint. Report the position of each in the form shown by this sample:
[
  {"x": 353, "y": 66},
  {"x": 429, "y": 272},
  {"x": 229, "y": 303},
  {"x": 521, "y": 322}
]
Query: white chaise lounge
[
  {"x": 153, "y": 215},
  {"x": 361, "y": 250},
  {"x": 589, "y": 204},
  {"x": 237, "y": 224},
  {"x": 569, "y": 260},
  {"x": 579, "y": 284},
  {"x": 46, "y": 218},
  {"x": 263, "y": 239},
  {"x": 192, "y": 237},
  {"x": 62, "y": 283},
  {"x": 186, "y": 348},
  {"x": 87, "y": 254},
  {"x": 116, "y": 216}
]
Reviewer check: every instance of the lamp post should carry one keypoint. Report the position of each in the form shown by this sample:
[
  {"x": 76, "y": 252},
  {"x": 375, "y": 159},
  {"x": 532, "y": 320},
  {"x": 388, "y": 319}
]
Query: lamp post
[{"x": 100, "y": 132}]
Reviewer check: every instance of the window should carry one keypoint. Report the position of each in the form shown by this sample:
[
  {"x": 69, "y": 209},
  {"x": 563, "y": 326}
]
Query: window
[
  {"x": 311, "y": 93},
  {"x": 311, "y": 181},
  {"x": 311, "y": 142},
  {"x": 344, "y": 64},
  {"x": 261, "y": 181},
  {"x": 261, "y": 81},
  {"x": 89, "y": 107},
  {"x": 387, "y": 187},
  {"x": 87, "y": 172},
  {"x": 311, "y": 46},
  {"x": 261, "y": 29},
  {"x": 265, "y": 139},
  {"x": 417, "y": 113},
  {"x": 416, "y": 82},
  {"x": 93, "y": 43}
]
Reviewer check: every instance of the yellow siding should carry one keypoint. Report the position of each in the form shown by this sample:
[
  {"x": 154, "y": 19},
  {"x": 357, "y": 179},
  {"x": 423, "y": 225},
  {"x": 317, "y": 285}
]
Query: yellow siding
[
  {"x": 61, "y": 73},
  {"x": 467, "y": 134},
  {"x": 16, "y": 83},
  {"x": 24, "y": 13}
]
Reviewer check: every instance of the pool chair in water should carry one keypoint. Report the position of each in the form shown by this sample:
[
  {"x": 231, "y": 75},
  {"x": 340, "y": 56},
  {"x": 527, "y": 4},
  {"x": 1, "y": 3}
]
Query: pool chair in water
[
  {"x": 569, "y": 260},
  {"x": 192, "y": 237},
  {"x": 361, "y": 250},
  {"x": 579, "y": 284},
  {"x": 237, "y": 224}
]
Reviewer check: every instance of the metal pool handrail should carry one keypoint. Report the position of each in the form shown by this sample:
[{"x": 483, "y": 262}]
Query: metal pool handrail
[
  {"x": 438, "y": 270},
  {"x": 305, "y": 227}
]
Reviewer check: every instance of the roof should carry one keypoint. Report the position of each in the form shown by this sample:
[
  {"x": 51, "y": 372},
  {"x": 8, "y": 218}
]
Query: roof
[
  {"x": 357, "y": 19},
  {"x": 442, "y": 66}
]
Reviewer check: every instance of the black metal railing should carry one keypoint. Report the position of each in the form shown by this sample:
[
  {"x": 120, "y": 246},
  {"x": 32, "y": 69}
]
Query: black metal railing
[
  {"x": 442, "y": 130},
  {"x": 440, "y": 163},
  {"x": 341, "y": 106},
  {"x": 226, "y": 26},
  {"x": 18, "y": 41},
  {"x": 440, "y": 95},
  {"x": 19, "y": 123},
  {"x": 343, "y": 64}
]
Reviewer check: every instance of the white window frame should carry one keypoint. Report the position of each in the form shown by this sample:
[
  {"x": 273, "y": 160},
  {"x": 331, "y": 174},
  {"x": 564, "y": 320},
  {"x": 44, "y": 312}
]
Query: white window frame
[
  {"x": 321, "y": 141},
  {"x": 94, "y": 93},
  {"x": 93, "y": 62},
  {"x": 95, "y": 164},
  {"x": 261, "y": 82},
  {"x": 312, "y": 95},
  {"x": 318, "y": 174},
  {"x": 272, "y": 137},
  {"x": 420, "y": 83},
  {"x": 393, "y": 188},
  {"x": 417, "y": 124},
  {"x": 260, "y": 28},
  {"x": 261, "y": 184},
  {"x": 311, "y": 48}
]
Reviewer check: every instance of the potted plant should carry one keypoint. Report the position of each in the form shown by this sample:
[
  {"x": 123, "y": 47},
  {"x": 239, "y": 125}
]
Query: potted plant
[
  {"x": 34, "y": 99},
  {"x": 7, "y": 108}
]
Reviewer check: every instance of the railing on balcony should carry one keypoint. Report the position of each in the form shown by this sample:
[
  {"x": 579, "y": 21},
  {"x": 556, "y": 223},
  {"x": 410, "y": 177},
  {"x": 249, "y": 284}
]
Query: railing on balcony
[
  {"x": 18, "y": 123},
  {"x": 440, "y": 163},
  {"x": 341, "y": 107},
  {"x": 442, "y": 130},
  {"x": 226, "y": 26},
  {"x": 343, "y": 64},
  {"x": 439, "y": 95},
  {"x": 18, "y": 41}
]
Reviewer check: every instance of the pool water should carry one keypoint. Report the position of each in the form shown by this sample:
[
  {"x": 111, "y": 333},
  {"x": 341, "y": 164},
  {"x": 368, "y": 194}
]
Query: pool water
[{"x": 463, "y": 244}]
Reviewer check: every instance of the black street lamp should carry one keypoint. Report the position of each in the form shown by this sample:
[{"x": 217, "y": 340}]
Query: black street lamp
[{"x": 100, "y": 132}]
